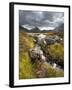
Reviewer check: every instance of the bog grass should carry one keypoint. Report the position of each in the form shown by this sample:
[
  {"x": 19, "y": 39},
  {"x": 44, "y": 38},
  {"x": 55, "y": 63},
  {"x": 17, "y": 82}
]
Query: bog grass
[{"x": 27, "y": 69}]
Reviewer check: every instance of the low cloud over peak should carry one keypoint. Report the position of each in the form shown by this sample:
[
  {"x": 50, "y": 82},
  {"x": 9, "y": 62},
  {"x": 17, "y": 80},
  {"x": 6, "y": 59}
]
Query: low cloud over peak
[{"x": 41, "y": 19}]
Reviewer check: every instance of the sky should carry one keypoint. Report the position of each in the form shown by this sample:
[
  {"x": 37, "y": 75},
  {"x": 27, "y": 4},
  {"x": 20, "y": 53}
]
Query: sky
[{"x": 42, "y": 19}]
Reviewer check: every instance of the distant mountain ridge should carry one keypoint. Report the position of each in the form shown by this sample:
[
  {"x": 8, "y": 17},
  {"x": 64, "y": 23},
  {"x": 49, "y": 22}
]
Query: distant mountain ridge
[
  {"x": 33, "y": 30},
  {"x": 37, "y": 30},
  {"x": 23, "y": 29},
  {"x": 59, "y": 28}
]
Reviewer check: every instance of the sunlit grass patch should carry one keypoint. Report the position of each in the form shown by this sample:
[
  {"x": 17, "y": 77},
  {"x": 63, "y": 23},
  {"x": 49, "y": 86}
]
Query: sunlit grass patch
[
  {"x": 53, "y": 72},
  {"x": 56, "y": 50},
  {"x": 26, "y": 68},
  {"x": 25, "y": 65}
]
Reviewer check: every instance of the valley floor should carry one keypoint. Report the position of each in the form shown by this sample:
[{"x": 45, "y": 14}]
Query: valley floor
[{"x": 39, "y": 57}]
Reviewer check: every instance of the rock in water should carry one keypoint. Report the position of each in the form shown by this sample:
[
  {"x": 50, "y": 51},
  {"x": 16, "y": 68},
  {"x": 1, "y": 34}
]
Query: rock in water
[
  {"x": 43, "y": 58},
  {"x": 54, "y": 65}
]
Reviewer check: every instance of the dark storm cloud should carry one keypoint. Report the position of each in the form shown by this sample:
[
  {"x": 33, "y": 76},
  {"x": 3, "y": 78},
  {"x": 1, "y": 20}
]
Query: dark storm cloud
[{"x": 41, "y": 18}]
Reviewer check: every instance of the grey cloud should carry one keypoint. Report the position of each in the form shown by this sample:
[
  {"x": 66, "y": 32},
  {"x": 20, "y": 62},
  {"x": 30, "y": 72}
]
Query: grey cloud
[{"x": 41, "y": 18}]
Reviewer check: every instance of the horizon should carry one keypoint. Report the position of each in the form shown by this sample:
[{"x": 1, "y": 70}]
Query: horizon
[
  {"x": 41, "y": 28},
  {"x": 44, "y": 20}
]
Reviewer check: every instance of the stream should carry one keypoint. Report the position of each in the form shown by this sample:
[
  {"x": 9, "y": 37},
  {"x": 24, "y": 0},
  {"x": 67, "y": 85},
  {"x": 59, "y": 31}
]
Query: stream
[{"x": 38, "y": 53}]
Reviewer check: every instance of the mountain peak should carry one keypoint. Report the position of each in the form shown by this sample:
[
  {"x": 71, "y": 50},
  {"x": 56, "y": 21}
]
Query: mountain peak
[
  {"x": 60, "y": 28},
  {"x": 35, "y": 30}
]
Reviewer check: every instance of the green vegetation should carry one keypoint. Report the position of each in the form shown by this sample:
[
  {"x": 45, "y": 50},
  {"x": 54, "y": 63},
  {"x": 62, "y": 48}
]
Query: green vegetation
[
  {"x": 56, "y": 51},
  {"x": 51, "y": 72},
  {"x": 38, "y": 69},
  {"x": 26, "y": 70},
  {"x": 25, "y": 65}
]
